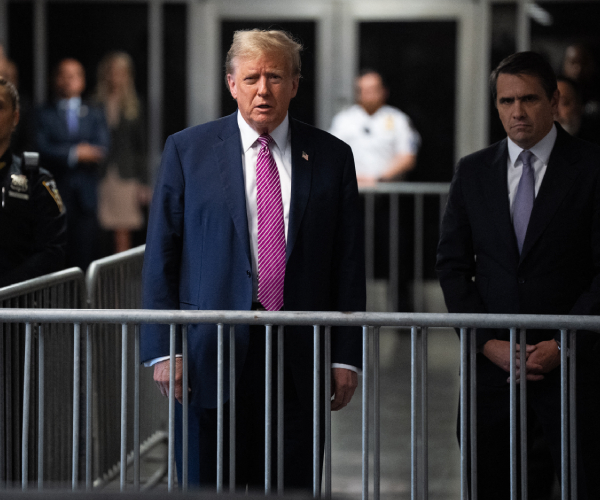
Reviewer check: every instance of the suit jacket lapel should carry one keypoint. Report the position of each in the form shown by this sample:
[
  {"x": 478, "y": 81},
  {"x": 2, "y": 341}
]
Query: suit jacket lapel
[
  {"x": 558, "y": 179},
  {"x": 229, "y": 156},
  {"x": 303, "y": 158},
  {"x": 495, "y": 188}
]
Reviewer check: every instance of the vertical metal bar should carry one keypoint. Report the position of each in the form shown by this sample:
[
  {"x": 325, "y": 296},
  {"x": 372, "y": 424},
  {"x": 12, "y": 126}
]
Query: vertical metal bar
[
  {"x": 280, "y": 407},
  {"x": 88, "y": 407},
  {"x": 413, "y": 414},
  {"x": 523, "y": 421},
  {"x": 424, "y": 479},
  {"x": 76, "y": 392},
  {"x": 220, "y": 355},
  {"x": 171, "y": 452},
  {"x": 41, "y": 369},
  {"x": 327, "y": 409},
  {"x": 123, "y": 478},
  {"x": 316, "y": 412},
  {"x": 40, "y": 50},
  {"x": 418, "y": 257},
  {"x": 571, "y": 356},
  {"x": 513, "y": 414},
  {"x": 26, "y": 407},
  {"x": 376, "y": 417},
  {"x": 136, "y": 409},
  {"x": 185, "y": 418},
  {"x": 464, "y": 490},
  {"x": 394, "y": 253},
  {"x": 564, "y": 418},
  {"x": 232, "y": 409},
  {"x": 365, "y": 414},
  {"x": 370, "y": 236},
  {"x": 473, "y": 410},
  {"x": 268, "y": 394}
]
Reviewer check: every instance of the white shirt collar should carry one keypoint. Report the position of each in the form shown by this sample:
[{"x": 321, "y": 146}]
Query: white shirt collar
[
  {"x": 249, "y": 135},
  {"x": 541, "y": 150}
]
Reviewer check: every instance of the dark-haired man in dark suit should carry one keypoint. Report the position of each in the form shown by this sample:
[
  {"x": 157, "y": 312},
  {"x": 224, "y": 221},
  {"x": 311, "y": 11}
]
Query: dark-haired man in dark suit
[{"x": 521, "y": 234}]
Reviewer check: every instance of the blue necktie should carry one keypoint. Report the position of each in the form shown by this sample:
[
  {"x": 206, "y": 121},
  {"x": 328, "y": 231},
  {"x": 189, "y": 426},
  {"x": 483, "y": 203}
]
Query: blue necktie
[
  {"x": 524, "y": 198},
  {"x": 72, "y": 120}
]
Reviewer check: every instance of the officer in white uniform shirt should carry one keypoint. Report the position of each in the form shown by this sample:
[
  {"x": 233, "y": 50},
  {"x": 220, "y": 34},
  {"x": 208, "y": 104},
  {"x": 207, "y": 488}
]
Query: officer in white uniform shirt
[{"x": 382, "y": 139}]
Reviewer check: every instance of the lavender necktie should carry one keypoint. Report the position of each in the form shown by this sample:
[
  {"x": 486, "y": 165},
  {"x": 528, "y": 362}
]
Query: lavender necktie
[
  {"x": 271, "y": 229},
  {"x": 524, "y": 198}
]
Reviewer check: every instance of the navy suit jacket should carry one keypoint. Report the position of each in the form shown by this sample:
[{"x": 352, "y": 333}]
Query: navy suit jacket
[
  {"x": 558, "y": 271},
  {"x": 198, "y": 250}
]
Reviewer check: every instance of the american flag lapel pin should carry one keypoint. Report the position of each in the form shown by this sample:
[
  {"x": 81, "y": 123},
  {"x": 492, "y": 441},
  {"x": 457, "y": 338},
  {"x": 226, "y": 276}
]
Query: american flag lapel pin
[{"x": 304, "y": 156}]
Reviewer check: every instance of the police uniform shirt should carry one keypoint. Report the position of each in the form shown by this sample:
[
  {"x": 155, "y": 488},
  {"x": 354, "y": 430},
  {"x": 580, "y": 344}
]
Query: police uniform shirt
[
  {"x": 375, "y": 139},
  {"x": 32, "y": 221}
]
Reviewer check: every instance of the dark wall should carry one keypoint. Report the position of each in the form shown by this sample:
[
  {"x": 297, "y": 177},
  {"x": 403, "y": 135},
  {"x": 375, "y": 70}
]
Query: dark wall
[{"x": 302, "y": 106}]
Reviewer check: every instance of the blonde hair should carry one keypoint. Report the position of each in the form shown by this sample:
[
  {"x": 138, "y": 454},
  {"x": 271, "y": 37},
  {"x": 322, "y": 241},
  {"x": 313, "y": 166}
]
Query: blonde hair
[
  {"x": 129, "y": 102},
  {"x": 256, "y": 42}
]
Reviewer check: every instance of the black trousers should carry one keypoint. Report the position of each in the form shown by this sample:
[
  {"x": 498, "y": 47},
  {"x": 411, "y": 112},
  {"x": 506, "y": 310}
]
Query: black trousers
[{"x": 250, "y": 431}]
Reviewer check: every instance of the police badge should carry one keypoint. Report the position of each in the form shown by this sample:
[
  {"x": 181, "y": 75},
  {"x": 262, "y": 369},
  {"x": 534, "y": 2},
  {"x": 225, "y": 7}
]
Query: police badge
[{"x": 18, "y": 187}]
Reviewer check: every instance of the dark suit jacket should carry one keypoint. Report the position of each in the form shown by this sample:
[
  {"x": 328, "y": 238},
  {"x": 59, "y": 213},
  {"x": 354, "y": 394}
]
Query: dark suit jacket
[
  {"x": 198, "y": 250},
  {"x": 558, "y": 271}
]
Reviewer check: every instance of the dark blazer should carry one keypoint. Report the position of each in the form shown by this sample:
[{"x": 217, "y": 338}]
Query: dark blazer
[
  {"x": 198, "y": 250},
  {"x": 558, "y": 271}
]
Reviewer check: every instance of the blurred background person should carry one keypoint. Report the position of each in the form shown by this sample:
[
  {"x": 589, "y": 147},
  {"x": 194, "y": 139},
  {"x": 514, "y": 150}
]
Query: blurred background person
[
  {"x": 579, "y": 64},
  {"x": 32, "y": 215},
  {"x": 73, "y": 140},
  {"x": 382, "y": 138},
  {"x": 123, "y": 190},
  {"x": 570, "y": 112}
]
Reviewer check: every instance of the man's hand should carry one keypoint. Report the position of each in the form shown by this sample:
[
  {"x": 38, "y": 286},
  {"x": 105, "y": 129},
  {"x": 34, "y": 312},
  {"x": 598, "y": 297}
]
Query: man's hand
[
  {"x": 546, "y": 356},
  {"x": 498, "y": 352},
  {"x": 366, "y": 181},
  {"x": 343, "y": 385},
  {"x": 87, "y": 153},
  {"x": 162, "y": 375}
]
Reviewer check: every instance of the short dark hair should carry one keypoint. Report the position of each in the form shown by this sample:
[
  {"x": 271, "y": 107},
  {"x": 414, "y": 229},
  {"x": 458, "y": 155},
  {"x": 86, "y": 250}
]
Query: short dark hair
[
  {"x": 525, "y": 63},
  {"x": 13, "y": 93},
  {"x": 373, "y": 71}
]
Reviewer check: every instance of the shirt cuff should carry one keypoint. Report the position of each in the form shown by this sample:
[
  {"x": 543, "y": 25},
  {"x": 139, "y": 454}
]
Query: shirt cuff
[
  {"x": 72, "y": 159},
  {"x": 158, "y": 360},
  {"x": 347, "y": 367}
]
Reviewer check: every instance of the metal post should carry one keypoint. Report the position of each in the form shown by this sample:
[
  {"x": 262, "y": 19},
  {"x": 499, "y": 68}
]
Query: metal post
[
  {"x": 413, "y": 414},
  {"x": 573, "y": 409},
  {"x": 185, "y": 418},
  {"x": 513, "y": 414},
  {"x": 232, "y": 409},
  {"x": 40, "y": 50},
  {"x": 123, "y": 479},
  {"x": 220, "y": 355},
  {"x": 365, "y": 414},
  {"x": 424, "y": 478},
  {"x": 464, "y": 490},
  {"x": 376, "y": 417},
  {"x": 88, "y": 408},
  {"x": 316, "y": 404},
  {"x": 76, "y": 388},
  {"x": 394, "y": 253},
  {"x": 473, "y": 410},
  {"x": 280, "y": 407},
  {"x": 564, "y": 418},
  {"x": 370, "y": 236},
  {"x": 41, "y": 369},
  {"x": 26, "y": 407},
  {"x": 171, "y": 452},
  {"x": 268, "y": 392},
  {"x": 418, "y": 257},
  {"x": 523, "y": 421},
  {"x": 327, "y": 409},
  {"x": 136, "y": 409}
]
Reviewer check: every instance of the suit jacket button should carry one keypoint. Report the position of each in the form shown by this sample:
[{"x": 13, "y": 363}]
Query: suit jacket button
[
  {"x": 521, "y": 281},
  {"x": 249, "y": 274}
]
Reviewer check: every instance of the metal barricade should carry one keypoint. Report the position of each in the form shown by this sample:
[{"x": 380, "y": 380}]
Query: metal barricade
[
  {"x": 64, "y": 290},
  {"x": 321, "y": 324},
  {"x": 394, "y": 190},
  {"x": 115, "y": 282}
]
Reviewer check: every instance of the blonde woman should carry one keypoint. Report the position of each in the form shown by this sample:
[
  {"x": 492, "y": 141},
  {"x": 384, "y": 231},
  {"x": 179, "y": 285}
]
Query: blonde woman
[{"x": 123, "y": 190}]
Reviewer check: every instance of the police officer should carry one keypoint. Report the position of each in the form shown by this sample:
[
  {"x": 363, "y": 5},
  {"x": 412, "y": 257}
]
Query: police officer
[{"x": 32, "y": 215}]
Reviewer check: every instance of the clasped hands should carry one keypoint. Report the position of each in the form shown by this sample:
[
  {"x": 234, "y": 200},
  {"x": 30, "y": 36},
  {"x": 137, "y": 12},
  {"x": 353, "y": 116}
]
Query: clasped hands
[
  {"x": 343, "y": 382},
  {"x": 539, "y": 358}
]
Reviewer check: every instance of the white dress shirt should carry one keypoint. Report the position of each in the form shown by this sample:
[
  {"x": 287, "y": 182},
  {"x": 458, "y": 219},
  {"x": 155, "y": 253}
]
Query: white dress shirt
[{"x": 541, "y": 152}]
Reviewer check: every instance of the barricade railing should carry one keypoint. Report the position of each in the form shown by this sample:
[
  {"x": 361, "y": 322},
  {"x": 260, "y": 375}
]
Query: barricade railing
[
  {"x": 321, "y": 324},
  {"x": 394, "y": 190},
  {"x": 65, "y": 290}
]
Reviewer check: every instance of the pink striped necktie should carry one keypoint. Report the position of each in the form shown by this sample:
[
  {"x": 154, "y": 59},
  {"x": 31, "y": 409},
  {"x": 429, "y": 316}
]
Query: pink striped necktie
[{"x": 271, "y": 229}]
